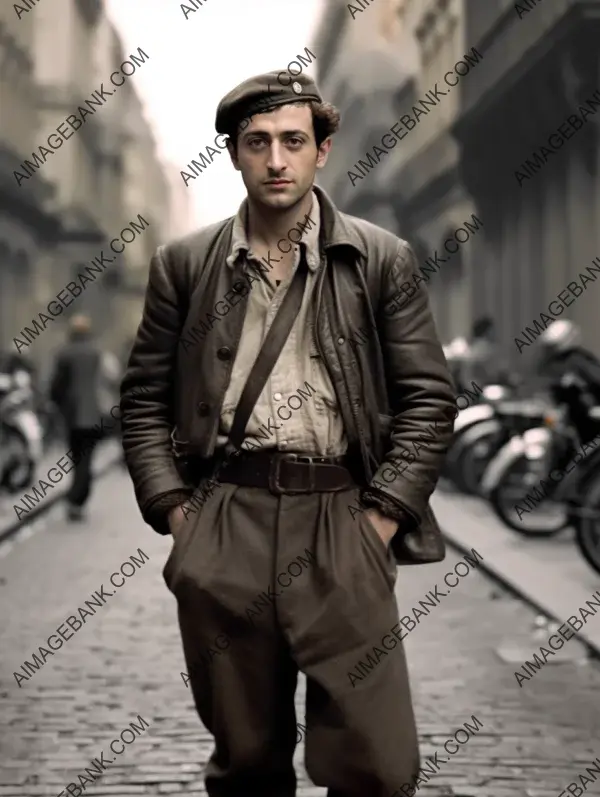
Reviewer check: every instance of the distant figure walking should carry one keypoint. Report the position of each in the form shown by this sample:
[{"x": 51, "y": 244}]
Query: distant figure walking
[
  {"x": 76, "y": 388},
  {"x": 482, "y": 363}
]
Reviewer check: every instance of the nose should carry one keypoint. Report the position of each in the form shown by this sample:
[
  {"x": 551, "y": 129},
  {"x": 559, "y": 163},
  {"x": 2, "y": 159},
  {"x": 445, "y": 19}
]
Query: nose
[{"x": 276, "y": 163}]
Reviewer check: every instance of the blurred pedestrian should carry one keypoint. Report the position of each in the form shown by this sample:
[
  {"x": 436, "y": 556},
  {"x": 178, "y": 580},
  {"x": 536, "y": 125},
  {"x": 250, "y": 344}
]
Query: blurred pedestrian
[
  {"x": 559, "y": 352},
  {"x": 76, "y": 387},
  {"x": 482, "y": 363}
]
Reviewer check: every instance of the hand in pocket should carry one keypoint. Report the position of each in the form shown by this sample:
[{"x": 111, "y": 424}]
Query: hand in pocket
[{"x": 384, "y": 527}]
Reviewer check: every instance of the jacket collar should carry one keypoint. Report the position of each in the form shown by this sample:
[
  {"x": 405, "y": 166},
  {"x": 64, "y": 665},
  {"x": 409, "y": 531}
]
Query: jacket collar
[
  {"x": 335, "y": 230},
  {"x": 310, "y": 239}
]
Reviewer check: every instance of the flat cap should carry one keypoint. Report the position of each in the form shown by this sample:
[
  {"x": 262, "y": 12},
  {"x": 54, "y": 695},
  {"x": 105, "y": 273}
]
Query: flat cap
[{"x": 261, "y": 92}]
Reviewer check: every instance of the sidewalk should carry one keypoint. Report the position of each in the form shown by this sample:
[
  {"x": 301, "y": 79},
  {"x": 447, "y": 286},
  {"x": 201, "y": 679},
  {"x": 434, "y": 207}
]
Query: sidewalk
[
  {"x": 11, "y": 523},
  {"x": 549, "y": 573}
]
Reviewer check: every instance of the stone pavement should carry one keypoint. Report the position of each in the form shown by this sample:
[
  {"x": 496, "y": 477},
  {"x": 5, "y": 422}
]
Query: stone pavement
[
  {"x": 108, "y": 452},
  {"x": 549, "y": 573},
  {"x": 114, "y": 691}
]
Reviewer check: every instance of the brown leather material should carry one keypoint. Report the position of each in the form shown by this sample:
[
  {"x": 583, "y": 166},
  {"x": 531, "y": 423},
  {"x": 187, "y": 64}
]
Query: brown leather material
[
  {"x": 268, "y": 355},
  {"x": 419, "y": 546},
  {"x": 288, "y": 473},
  {"x": 194, "y": 307}
]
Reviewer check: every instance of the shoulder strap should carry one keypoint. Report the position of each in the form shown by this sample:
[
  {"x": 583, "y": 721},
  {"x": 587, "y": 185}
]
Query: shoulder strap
[{"x": 267, "y": 357}]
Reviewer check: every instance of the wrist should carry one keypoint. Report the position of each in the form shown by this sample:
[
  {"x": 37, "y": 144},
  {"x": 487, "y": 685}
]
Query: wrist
[
  {"x": 381, "y": 516},
  {"x": 157, "y": 512},
  {"x": 389, "y": 509},
  {"x": 174, "y": 516},
  {"x": 175, "y": 511}
]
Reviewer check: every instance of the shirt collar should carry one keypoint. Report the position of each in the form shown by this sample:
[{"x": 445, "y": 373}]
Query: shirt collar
[{"x": 310, "y": 238}]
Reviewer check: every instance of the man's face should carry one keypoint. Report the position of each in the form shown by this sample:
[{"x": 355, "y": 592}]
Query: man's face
[{"x": 278, "y": 156}]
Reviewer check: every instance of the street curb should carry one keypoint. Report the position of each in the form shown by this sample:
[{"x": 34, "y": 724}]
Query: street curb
[
  {"x": 13, "y": 528},
  {"x": 521, "y": 592}
]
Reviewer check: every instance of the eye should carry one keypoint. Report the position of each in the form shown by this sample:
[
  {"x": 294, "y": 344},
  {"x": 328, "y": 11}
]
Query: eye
[{"x": 295, "y": 142}]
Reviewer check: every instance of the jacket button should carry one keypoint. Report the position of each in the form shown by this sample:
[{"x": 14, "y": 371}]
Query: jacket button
[
  {"x": 203, "y": 408},
  {"x": 224, "y": 353}
]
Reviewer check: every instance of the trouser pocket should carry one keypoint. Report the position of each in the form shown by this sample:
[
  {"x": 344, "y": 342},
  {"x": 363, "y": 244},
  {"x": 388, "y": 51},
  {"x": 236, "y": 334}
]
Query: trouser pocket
[
  {"x": 377, "y": 552},
  {"x": 181, "y": 541}
]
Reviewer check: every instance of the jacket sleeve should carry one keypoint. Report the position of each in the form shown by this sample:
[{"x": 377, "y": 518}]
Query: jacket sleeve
[
  {"x": 147, "y": 396},
  {"x": 421, "y": 394}
]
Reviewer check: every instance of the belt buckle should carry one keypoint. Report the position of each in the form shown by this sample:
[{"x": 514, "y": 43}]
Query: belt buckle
[{"x": 275, "y": 471}]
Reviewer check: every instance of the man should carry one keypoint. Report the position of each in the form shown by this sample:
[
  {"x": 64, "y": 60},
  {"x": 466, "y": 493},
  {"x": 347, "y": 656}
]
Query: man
[
  {"x": 275, "y": 566},
  {"x": 76, "y": 387}
]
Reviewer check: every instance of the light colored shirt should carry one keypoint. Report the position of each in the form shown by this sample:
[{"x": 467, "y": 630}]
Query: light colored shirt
[{"x": 297, "y": 409}]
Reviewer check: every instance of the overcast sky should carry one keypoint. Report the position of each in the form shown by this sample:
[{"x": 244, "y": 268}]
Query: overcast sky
[{"x": 194, "y": 62}]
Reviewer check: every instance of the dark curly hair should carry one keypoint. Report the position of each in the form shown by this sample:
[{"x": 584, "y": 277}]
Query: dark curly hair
[{"x": 326, "y": 121}]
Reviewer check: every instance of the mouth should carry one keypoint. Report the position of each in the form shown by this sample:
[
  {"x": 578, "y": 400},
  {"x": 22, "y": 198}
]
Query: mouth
[{"x": 279, "y": 182}]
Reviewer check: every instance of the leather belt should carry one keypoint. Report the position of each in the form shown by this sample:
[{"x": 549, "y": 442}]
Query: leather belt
[{"x": 285, "y": 473}]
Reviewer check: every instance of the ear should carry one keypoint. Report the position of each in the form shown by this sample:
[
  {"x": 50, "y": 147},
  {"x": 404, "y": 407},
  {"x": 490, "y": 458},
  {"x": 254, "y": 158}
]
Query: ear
[{"x": 323, "y": 153}]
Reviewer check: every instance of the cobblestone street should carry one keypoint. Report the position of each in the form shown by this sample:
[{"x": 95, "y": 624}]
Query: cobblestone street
[{"x": 122, "y": 670}]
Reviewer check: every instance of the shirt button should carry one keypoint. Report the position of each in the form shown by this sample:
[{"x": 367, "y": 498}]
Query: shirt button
[
  {"x": 224, "y": 353},
  {"x": 341, "y": 341},
  {"x": 277, "y": 396}
]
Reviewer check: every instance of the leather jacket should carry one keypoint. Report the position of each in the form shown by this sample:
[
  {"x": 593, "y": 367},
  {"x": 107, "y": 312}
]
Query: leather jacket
[{"x": 394, "y": 390}]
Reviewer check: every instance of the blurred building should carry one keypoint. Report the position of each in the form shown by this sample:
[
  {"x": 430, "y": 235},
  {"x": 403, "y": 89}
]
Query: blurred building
[
  {"x": 359, "y": 69},
  {"x": 423, "y": 180},
  {"x": 27, "y": 225},
  {"x": 102, "y": 178},
  {"x": 542, "y": 229},
  {"x": 383, "y": 62},
  {"x": 508, "y": 76},
  {"x": 145, "y": 192},
  {"x": 181, "y": 218}
]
